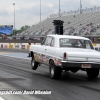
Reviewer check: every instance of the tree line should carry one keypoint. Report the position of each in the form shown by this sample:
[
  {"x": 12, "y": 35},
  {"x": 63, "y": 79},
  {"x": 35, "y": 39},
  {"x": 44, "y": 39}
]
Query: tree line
[{"x": 23, "y": 28}]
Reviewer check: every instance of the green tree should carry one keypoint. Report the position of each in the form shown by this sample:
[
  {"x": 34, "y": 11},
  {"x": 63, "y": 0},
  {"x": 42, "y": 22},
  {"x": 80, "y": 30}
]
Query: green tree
[
  {"x": 23, "y": 28},
  {"x": 26, "y": 27}
]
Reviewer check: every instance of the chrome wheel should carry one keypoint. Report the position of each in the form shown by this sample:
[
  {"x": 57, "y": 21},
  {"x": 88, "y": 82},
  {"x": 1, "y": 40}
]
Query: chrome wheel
[
  {"x": 55, "y": 71},
  {"x": 52, "y": 71},
  {"x": 33, "y": 63}
]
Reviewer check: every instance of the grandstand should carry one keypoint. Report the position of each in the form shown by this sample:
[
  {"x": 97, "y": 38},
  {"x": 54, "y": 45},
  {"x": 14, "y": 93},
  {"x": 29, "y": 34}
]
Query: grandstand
[{"x": 86, "y": 23}]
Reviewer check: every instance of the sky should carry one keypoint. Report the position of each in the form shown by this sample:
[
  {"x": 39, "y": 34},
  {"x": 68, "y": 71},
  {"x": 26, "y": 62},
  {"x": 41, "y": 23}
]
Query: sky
[{"x": 27, "y": 12}]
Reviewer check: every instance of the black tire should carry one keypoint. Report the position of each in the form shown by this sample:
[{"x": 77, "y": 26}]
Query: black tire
[
  {"x": 92, "y": 73},
  {"x": 34, "y": 64},
  {"x": 55, "y": 72}
]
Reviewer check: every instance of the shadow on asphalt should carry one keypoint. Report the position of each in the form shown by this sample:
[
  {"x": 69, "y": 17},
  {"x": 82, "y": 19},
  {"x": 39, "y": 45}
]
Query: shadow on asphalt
[{"x": 69, "y": 77}]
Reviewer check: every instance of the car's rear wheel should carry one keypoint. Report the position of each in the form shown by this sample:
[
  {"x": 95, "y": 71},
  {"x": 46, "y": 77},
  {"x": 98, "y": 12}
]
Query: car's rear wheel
[
  {"x": 34, "y": 64},
  {"x": 92, "y": 73},
  {"x": 55, "y": 72}
]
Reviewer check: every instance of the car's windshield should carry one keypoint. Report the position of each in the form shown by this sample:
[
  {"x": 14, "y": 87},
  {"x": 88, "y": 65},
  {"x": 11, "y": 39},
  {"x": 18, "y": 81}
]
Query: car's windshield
[{"x": 75, "y": 43}]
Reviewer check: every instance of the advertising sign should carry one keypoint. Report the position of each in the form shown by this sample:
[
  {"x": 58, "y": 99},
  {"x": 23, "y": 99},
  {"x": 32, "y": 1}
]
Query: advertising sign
[
  {"x": 1, "y": 45},
  {"x": 16, "y": 46},
  {"x": 23, "y": 46},
  {"x": 6, "y": 29},
  {"x": 5, "y": 46},
  {"x": 10, "y": 46}
]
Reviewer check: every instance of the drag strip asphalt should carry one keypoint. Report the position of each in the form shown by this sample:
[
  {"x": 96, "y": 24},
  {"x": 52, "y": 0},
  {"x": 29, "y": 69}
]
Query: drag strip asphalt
[{"x": 16, "y": 74}]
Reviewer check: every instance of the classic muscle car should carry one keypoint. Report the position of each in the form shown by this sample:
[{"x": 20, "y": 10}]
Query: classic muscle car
[{"x": 66, "y": 53}]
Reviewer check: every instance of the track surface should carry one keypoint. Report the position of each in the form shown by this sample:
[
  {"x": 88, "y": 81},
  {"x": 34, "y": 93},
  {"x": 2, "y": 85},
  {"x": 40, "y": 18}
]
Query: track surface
[{"x": 16, "y": 74}]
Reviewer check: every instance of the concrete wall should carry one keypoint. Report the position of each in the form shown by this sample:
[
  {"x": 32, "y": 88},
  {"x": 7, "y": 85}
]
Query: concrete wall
[{"x": 17, "y": 45}]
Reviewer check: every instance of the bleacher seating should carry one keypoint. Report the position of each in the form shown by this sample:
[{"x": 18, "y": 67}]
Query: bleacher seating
[{"x": 75, "y": 23}]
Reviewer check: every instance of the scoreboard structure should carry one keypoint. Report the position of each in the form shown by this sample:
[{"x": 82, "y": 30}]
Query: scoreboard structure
[{"x": 6, "y": 29}]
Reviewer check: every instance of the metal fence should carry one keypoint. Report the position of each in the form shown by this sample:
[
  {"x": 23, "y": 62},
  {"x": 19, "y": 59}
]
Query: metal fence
[{"x": 86, "y": 10}]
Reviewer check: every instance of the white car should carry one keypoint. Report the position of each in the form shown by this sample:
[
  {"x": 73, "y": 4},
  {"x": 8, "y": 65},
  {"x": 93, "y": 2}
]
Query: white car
[{"x": 64, "y": 52}]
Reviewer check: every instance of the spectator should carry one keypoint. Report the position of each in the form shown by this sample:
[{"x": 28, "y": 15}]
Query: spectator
[
  {"x": 87, "y": 25},
  {"x": 97, "y": 26},
  {"x": 4, "y": 36},
  {"x": 74, "y": 16},
  {"x": 91, "y": 23},
  {"x": 68, "y": 22},
  {"x": 86, "y": 33}
]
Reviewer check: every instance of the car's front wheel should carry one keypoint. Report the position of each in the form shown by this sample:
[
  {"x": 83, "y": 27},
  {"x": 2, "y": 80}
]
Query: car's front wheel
[
  {"x": 34, "y": 64},
  {"x": 92, "y": 73},
  {"x": 55, "y": 72}
]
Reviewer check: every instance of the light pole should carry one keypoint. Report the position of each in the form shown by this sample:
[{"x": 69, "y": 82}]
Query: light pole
[
  {"x": 59, "y": 8},
  {"x": 14, "y": 18},
  {"x": 80, "y": 7},
  {"x": 40, "y": 10}
]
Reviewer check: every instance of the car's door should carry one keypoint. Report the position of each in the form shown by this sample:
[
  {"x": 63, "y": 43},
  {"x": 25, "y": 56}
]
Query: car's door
[
  {"x": 42, "y": 49},
  {"x": 45, "y": 45},
  {"x": 49, "y": 49}
]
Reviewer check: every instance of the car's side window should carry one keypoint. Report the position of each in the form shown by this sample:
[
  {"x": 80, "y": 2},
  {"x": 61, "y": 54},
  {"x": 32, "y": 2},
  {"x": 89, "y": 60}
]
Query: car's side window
[
  {"x": 48, "y": 41},
  {"x": 88, "y": 45},
  {"x": 52, "y": 42}
]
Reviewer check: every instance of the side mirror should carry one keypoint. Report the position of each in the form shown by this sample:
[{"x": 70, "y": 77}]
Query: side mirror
[
  {"x": 43, "y": 40},
  {"x": 41, "y": 43}
]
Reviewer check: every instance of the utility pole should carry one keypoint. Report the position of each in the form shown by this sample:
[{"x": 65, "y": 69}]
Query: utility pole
[
  {"x": 59, "y": 8},
  {"x": 40, "y": 10},
  {"x": 80, "y": 7},
  {"x": 14, "y": 18}
]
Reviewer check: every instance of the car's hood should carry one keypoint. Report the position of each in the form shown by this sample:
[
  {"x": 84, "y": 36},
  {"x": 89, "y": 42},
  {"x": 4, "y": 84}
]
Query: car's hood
[{"x": 81, "y": 54}]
